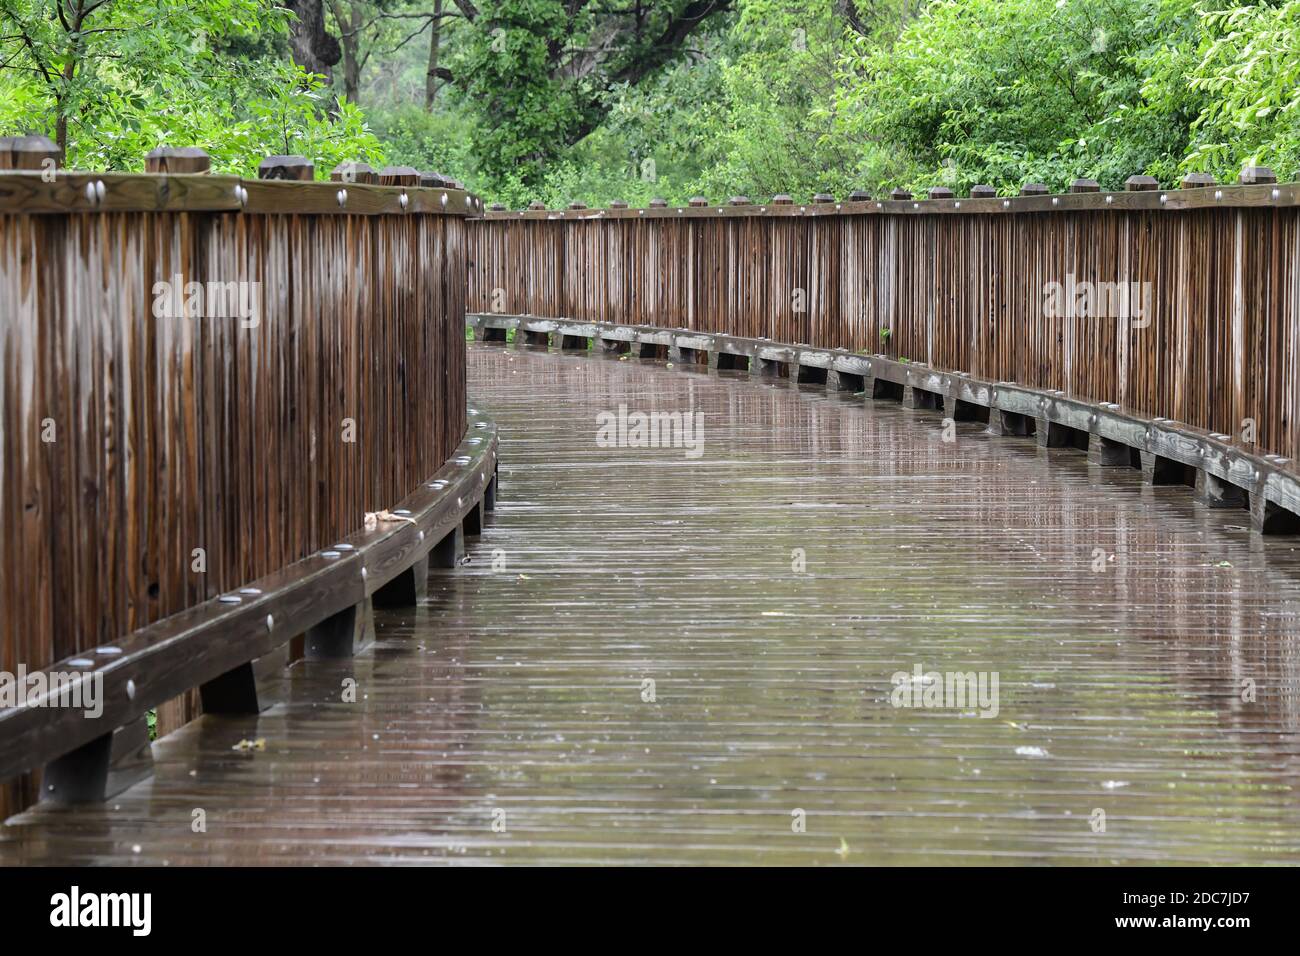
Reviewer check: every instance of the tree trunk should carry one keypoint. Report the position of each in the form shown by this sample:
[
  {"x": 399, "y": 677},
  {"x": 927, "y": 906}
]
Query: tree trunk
[
  {"x": 431, "y": 77},
  {"x": 351, "y": 49},
  {"x": 315, "y": 50}
]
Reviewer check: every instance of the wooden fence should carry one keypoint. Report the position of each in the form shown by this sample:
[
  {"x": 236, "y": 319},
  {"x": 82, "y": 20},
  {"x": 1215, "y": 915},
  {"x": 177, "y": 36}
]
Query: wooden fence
[
  {"x": 205, "y": 379},
  {"x": 1210, "y": 337}
]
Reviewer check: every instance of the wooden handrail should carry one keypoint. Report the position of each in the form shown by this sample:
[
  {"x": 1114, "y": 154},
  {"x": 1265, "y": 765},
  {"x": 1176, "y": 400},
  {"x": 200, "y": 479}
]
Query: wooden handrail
[{"x": 209, "y": 381}]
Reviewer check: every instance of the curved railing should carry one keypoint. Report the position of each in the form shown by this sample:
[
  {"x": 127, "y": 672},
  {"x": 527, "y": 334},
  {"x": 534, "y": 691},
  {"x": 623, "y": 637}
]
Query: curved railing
[
  {"x": 208, "y": 384},
  {"x": 1180, "y": 304}
]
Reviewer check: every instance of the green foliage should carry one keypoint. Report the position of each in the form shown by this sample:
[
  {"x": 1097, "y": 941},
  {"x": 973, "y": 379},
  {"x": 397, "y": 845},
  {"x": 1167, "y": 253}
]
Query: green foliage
[
  {"x": 136, "y": 75},
  {"x": 505, "y": 63},
  {"x": 1004, "y": 91},
  {"x": 559, "y": 101},
  {"x": 436, "y": 141},
  {"x": 1235, "y": 81}
]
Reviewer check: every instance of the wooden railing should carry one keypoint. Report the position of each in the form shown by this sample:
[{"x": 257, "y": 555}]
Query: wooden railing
[
  {"x": 205, "y": 380},
  {"x": 1210, "y": 337}
]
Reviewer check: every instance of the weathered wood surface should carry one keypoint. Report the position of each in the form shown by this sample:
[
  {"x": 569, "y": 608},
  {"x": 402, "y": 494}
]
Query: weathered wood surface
[
  {"x": 128, "y": 441},
  {"x": 520, "y": 687},
  {"x": 955, "y": 284}
]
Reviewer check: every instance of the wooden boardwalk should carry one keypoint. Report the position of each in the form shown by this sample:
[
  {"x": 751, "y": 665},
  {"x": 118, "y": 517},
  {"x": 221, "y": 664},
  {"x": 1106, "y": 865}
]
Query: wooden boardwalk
[{"x": 507, "y": 718}]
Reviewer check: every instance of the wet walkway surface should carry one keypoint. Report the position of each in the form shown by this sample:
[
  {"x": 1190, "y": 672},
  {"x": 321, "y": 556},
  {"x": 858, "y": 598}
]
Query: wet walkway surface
[{"x": 654, "y": 657}]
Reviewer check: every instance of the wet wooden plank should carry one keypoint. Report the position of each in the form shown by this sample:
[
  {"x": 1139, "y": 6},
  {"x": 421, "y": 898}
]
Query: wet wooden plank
[{"x": 518, "y": 687}]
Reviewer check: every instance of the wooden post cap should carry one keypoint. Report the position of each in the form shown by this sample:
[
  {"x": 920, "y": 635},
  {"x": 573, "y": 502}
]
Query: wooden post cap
[
  {"x": 983, "y": 192},
  {"x": 859, "y": 195},
  {"x": 618, "y": 204},
  {"x": 577, "y": 204},
  {"x": 399, "y": 176},
  {"x": 658, "y": 203},
  {"x": 537, "y": 204},
  {"x": 1257, "y": 176},
  {"x": 435, "y": 180},
  {"x": 1085, "y": 186},
  {"x": 29, "y": 152},
  {"x": 1141, "y": 184},
  {"x": 297, "y": 168},
  {"x": 1197, "y": 181},
  {"x": 823, "y": 198},
  {"x": 698, "y": 201},
  {"x": 177, "y": 159},
  {"x": 354, "y": 172},
  {"x": 940, "y": 192},
  {"x": 898, "y": 192},
  {"x": 497, "y": 207},
  {"x": 1033, "y": 189},
  {"x": 781, "y": 199},
  {"x": 738, "y": 201}
]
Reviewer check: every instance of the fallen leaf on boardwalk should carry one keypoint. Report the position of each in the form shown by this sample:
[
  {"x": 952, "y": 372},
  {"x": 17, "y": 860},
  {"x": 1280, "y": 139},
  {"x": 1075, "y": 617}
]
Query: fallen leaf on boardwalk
[
  {"x": 245, "y": 745},
  {"x": 843, "y": 851}
]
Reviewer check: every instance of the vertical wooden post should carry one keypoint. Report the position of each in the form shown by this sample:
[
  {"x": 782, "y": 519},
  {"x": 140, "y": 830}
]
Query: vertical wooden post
[
  {"x": 399, "y": 176},
  {"x": 354, "y": 172},
  {"x": 1257, "y": 176},
  {"x": 34, "y": 153},
  {"x": 177, "y": 160},
  {"x": 294, "y": 168}
]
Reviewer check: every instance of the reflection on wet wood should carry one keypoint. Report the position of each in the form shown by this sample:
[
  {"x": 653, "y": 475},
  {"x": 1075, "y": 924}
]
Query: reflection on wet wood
[{"x": 517, "y": 685}]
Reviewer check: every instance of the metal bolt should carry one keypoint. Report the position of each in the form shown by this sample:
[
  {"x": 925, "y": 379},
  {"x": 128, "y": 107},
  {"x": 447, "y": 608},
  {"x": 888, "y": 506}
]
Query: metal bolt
[{"x": 343, "y": 197}]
